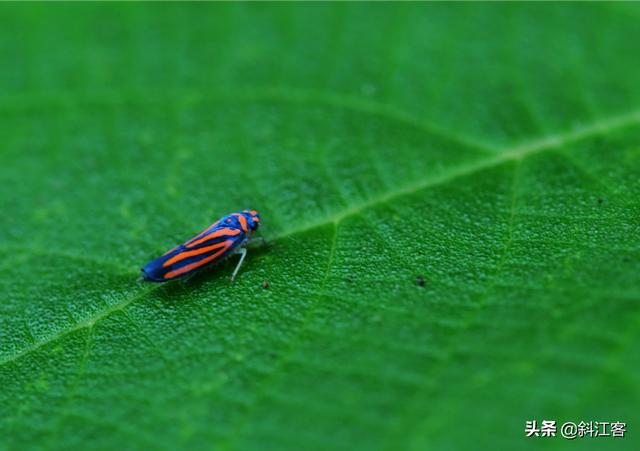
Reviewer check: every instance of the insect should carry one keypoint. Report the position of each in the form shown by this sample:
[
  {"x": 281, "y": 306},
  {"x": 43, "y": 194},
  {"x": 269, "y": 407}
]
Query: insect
[{"x": 223, "y": 238}]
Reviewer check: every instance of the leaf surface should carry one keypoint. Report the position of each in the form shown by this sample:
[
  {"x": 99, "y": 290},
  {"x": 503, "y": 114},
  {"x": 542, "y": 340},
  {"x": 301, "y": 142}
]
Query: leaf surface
[{"x": 451, "y": 193}]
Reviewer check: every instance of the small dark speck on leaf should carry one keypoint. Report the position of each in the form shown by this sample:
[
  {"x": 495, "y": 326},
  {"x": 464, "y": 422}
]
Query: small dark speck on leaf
[
  {"x": 349, "y": 280},
  {"x": 420, "y": 281},
  {"x": 265, "y": 284},
  {"x": 600, "y": 200}
]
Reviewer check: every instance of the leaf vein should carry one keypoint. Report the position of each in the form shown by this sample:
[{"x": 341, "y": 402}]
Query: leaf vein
[
  {"x": 271, "y": 377},
  {"x": 516, "y": 153},
  {"x": 520, "y": 152}
]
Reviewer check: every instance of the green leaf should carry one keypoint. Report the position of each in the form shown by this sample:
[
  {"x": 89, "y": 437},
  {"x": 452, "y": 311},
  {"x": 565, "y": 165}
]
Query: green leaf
[{"x": 451, "y": 193}]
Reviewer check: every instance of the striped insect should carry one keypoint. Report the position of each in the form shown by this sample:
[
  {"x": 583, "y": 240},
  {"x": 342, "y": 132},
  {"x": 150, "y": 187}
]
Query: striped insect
[{"x": 223, "y": 238}]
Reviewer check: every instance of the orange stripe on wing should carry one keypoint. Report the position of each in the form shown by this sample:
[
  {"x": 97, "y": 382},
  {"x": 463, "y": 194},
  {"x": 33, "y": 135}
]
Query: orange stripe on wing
[
  {"x": 216, "y": 234},
  {"x": 204, "y": 231},
  {"x": 243, "y": 222},
  {"x": 182, "y": 255},
  {"x": 171, "y": 274}
]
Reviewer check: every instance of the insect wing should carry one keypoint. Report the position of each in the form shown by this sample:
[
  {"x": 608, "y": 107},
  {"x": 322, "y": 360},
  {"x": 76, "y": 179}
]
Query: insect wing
[{"x": 213, "y": 244}]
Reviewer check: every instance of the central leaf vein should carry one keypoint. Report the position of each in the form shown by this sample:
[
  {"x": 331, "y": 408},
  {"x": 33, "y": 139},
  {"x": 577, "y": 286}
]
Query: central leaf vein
[{"x": 517, "y": 153}]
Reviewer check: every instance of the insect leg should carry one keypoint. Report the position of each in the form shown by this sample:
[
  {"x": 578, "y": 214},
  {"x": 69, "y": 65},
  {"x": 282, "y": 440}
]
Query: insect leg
[{"x": 242, "y": 251}]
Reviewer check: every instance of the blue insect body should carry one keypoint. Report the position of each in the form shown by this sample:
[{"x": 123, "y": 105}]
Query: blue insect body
[{"x": 223, "y": 238}]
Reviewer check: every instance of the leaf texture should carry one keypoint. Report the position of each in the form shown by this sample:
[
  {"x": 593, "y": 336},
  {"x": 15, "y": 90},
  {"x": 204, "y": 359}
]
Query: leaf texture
[{"x": 451, "y": 193}]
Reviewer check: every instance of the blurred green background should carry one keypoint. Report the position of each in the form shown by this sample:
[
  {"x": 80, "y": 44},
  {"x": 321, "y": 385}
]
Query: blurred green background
[{"x": 489, "y": 149}]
